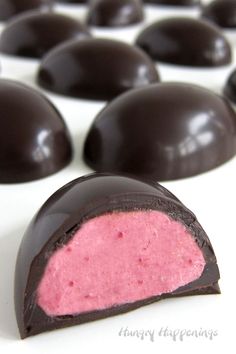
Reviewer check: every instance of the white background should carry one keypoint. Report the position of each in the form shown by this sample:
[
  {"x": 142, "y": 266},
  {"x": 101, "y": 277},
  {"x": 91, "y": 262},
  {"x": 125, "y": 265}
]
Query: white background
[{"x": 211, "y": 196}]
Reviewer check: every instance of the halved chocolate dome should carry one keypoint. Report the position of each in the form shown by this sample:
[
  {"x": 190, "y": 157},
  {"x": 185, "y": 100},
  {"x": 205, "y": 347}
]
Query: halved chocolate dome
[
  {"x": 115, "y": 13},
  {"x": 185, "y": 41},
  {"x": 164, "y": 131},
  {"x": 34, "y": 34},
  {"x": 10, "y": 8},
  {"x": 69, "y": 264},
  {"x": 34, "y": 139},
  {"x": 100, "y": 69}
]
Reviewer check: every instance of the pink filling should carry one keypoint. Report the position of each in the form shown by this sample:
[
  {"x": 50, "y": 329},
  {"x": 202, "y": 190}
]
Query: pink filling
[{"x": 119, "y": 258}]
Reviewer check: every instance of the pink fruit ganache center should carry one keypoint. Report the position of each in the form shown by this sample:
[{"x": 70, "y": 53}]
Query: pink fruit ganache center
[{"x": 119, "y": 258}]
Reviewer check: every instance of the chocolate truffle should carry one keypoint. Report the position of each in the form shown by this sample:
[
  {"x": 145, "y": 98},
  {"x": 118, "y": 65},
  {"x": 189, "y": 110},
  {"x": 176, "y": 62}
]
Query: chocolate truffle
[
  {"x": 34, "y": 34},
  {"x": 33, "y": 137},
  {"x": 115, "y": 13},
  {"x": 164, "y": 131},
  {"x": 173, "y": 2},
  {"x": 221, "y": 12},
  {"x": 185, "y": 41},
  {"x": 100, "y": 69},
  {"x": 10, "y": 8},
  {"x": 69, "y": 264},
  {"x": 230, "y": 87}
]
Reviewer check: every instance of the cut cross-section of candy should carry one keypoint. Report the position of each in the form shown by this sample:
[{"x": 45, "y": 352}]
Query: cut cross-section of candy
[{"x": 69, "y": 264}]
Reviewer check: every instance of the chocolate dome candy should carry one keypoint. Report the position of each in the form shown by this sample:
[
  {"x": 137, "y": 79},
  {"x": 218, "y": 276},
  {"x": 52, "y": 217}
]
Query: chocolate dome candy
[
  {"x": 185, "y": 41},
  {"x": 116, "y": 13},
  {"x": 33, "y": 137},
  {"x": 73, "y": 1},
  {"x": 221, "y": 12},
  {"x": 69, "y": 264},
  {"x": 174, "y": 2},
  {"x": 100, "y": 69},
  {"x": 9, "y": 8},
  {"x": 164, "y": 131},
  {"x": 230, "y": 87},
  {"x": 32, "y": 35}
]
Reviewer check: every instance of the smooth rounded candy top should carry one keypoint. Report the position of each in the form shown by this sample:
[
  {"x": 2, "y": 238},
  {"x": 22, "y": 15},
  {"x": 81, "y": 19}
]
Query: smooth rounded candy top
[
  {"x": 34, "y": 34},
  {"x": 9, "y": 8},
  {"x": 115, "y": 13},
  {"x": 185, "y": 41},
  {"x": 73, "y": 1},
  {"x": 164, "y": 131},
  {"x": 100, "y": 69},
  {"x": 221, "y": 12},
  {"x": 33, "y": 137},
  {"x": 230, "y": 87},
  {"x": 174, "y": 2}
]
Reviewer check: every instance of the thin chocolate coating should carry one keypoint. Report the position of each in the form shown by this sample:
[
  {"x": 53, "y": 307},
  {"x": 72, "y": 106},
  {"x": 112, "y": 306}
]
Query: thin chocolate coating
[
  {"x": 63, "y": 214},
  {"x": 116, "y": 13},
  {"x": 185, "y": 41},
  {"x": 164, "y": 131},
  {"x": 10, "y": 8},
  {"x": 100, "y": 69},
  {"x": 230, "y": 87},
  {"x": 34, "y": 139},
  {"x": 221, "y": 12},
  {"x": 32, "y": 35},
  {"x": 173, "y": 2}
]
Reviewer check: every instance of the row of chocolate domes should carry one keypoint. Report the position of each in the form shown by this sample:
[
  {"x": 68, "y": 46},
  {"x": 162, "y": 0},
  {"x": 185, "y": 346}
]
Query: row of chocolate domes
[
  {"x": 103, "y": 68},
  {"x": 161, "y": 131},
  {"x": 115, "y": 13}
]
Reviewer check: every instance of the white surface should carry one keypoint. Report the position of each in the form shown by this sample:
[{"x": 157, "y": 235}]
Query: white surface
[{"x": 211, "y": 196}]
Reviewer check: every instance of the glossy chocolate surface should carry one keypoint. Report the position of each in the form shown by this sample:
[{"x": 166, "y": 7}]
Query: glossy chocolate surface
[
  {"x": 230, "y": 87},
  {"x": 221, "y": 12},
  {"x": 165, "y": 131},
  {"x": 100, "y": 69},
  {"x": 185, "y": 41},
  {"x": 34, "y": 139},
  {"x": 173, "y": 2},
  {"x": 65, "y": 211},
  {"x": 115, "y": 13},
  {"x": 34, "y": 34},
  {"x": 73, "y": 1},
  {"x": 10, "y": 8}
]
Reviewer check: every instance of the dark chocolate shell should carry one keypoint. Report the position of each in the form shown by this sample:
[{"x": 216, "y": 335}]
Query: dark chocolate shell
[
  {"x": 33, "y": 34},
  {"x": 100, "y": 69},
  {"x": 230, "y": 87},
  {"x": 10, "y": 8},
  {"x": 185, "y": 41},
  {"x": 164, "y": 131},
  {"x": 72, "y": 1},
  {"x": 80, "y": 202},
  {"x": 173, "y": 2},
  {"x": 115, "y": 13},
  {"x": 34, "y": 139},
  {"x": 221, "y": 12}
]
